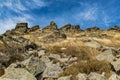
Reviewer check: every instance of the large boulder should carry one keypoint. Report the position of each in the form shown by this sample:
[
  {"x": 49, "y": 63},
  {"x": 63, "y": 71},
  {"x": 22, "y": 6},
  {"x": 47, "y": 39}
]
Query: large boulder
[
  {"x": 34, "y": 65},
  {"x": 52, "y": 71},
  {"x": 14, "y": 73},
  {"x": 106, "y": 55},
  {"x": 70, "y": 28}
]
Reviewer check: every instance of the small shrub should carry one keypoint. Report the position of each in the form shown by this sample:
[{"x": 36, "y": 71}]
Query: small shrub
[{"x": 2, "y": 72}]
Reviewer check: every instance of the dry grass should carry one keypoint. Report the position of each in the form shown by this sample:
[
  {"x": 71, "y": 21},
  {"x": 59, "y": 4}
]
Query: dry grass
[
  {"x": 87, "y": 67},
  {"x": 82, "y": 52}
]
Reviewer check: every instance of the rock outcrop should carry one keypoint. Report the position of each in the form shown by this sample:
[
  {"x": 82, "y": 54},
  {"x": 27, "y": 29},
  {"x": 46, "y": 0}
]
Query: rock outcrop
[
  {"x": 52, "y": 26},
  {"x": 54, "y": 36},
  {"x": 115, "y": 28},
  {"x": 34, "y": 65},
  {"x": 70, "y": 28},
  {"x": 93, "y": 29},
  {"x": 21, "y": 27},
  {"x": 34, "y": 28}
]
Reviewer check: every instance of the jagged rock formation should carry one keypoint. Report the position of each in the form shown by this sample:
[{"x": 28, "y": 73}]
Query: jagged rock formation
[
  {"x": 93, "y": 29},
  {"x": 34, "y": 28},
  {"x": 70, "y": 28},
  {"x": 52, "y": 26},
  {"x": 115, "y": 28}
]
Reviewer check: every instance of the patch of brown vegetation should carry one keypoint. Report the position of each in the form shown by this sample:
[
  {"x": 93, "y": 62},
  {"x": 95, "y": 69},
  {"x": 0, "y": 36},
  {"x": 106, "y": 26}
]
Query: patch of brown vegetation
[
  {"x": 2, "y": 72},
  {"x": 87, "y": 67}
]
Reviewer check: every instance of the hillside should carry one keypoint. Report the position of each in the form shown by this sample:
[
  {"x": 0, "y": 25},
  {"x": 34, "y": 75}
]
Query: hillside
[{"x": 66, "y": 53}]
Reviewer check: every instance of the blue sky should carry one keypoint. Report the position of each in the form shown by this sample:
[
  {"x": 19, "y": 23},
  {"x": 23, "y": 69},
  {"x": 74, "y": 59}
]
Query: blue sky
[{"x": 86, "y": 13}]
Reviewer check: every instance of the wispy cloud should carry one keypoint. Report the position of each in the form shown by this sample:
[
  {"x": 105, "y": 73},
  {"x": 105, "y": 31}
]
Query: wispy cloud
[
  {"x": 10, "y": 22},
  {"x": 20, "y": 7},
  {"x": 89, "y": 14}
]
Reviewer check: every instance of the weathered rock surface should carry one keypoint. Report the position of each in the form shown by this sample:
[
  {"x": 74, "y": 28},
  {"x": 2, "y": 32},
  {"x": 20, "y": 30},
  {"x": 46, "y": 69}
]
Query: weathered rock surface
[
  {"x": 106, "y": 55},
  {"x": 114, "y": 77},
  {"x": 93, "y": 29},
  {"x": 116, "y": 65},
  {"x": 4, "y": 57},
  {"x": 34, "y": 28},
  {"x": 81, "y": 76},
  {"x": 12, "y": 73},
  {"x": 52, "y": 71},
  {"x": 96, "y": 76},
  {"x": 41, "y": 53},
  {"x": 65, "y": 78},
  {"x": 34, "y": 65},
  {"x": 54, "y": 36},
  {"x": 70, "y": 28},
  {"x": 52, "y": 26},
  {"x": 115, "y": 28},
  {"x": 21, "y": 27}
]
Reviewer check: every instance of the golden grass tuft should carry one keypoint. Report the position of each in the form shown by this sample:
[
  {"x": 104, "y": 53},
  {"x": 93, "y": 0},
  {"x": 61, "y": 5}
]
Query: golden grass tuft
[{"x": 87, "y": 67}]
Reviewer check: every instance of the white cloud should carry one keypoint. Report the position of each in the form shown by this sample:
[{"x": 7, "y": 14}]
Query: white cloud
[
  {"x": 106, "y": 20},
  {"x": 88, "y": 14},
  {"x": 39, "y": 3},
  {"x": 10, "y": 22},
  {"x": 15, "y": 6},
  {"x": 19, "y": 5}
]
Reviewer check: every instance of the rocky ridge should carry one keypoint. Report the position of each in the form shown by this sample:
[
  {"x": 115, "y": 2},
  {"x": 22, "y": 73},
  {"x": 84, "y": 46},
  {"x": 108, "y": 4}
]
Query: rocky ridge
[{"x": 68, "y": 53}]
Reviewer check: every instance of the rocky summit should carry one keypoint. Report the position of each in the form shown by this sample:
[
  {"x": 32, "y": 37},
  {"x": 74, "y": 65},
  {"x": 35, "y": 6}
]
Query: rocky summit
[{"x": 66, "y": 53}]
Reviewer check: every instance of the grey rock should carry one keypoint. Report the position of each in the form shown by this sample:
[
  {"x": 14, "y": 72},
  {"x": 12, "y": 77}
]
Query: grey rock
[
  {"x": 96, "y": 76},
  {"x": 41, "y": 53},
  {"x": 34, "y": 65},
  {"x": 52, "y": 71},
  {"x": 81, "y": 76},
  {"x": 93, "y": 29},
  {"x": 106, "y": 55},
  {"x": 4, "y": 57},
  {"x": 114, "y": 77},
  {"x": 116, "y": 65},
  {"x": 54, "y": 36},
  {"x": 93, "y": 44},
  {"x": 65, "y": 78},
  {"x": 34, "y": 28},
  {"x": 21, "y": 27},
  {"x": 52, "y": 26},
  {"x": 70, "y": 28},
  {"x": 12, "y": 73},
  {"x": 55, "y": 56}
]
